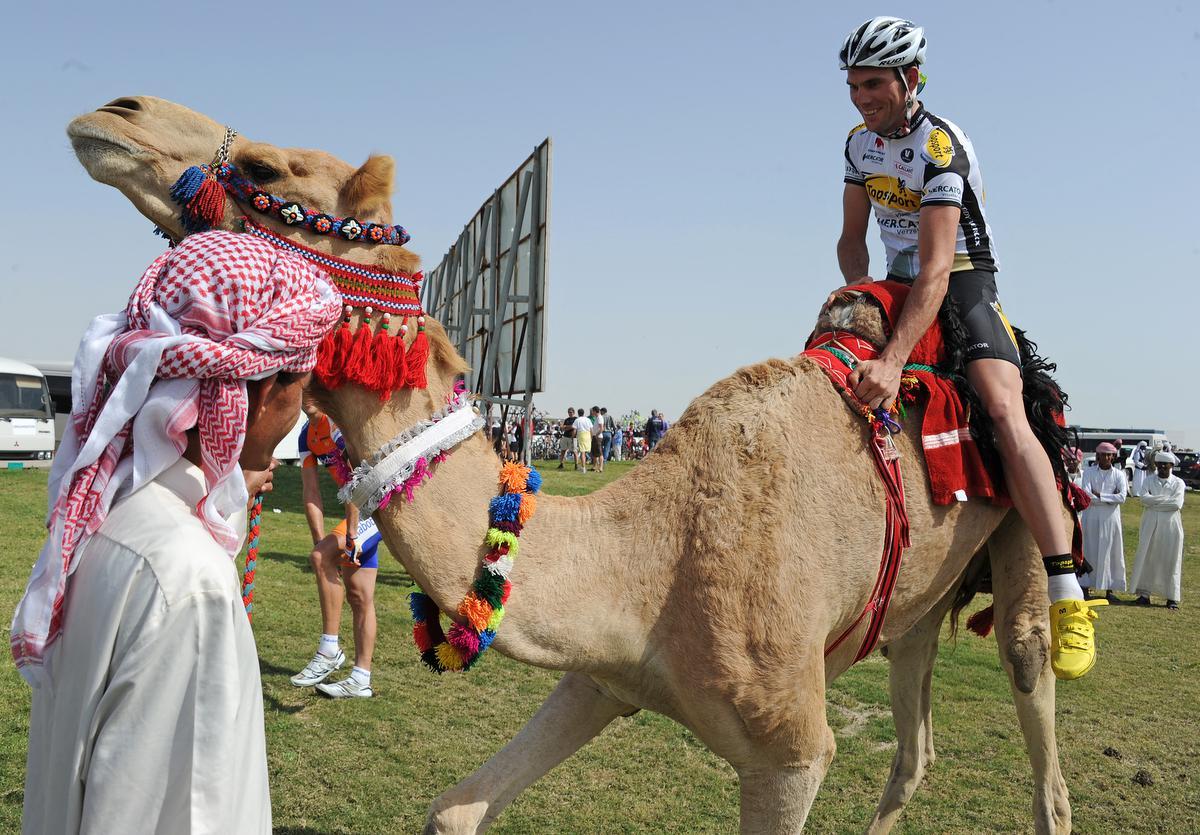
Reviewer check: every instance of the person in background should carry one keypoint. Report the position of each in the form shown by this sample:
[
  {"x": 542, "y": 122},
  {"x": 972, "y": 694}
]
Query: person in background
[
  {"x": 345, "y": 563},
  {"x": 566, "y": 438},
  {"x": 1158, "y": 565},
  {"x": 1138, "y": 460},
  {"x": 1103, "y": 542},
  {"x": 597, "y": 439},
  {"x": 618, "y": 442},
  {"x": 609, "y": 426},
  {"x": 656, "y": 427},
  {"x": 583, "y": 439},
  {"x": 147, "y": 701},
  {"x": 1074, "y": 457}
]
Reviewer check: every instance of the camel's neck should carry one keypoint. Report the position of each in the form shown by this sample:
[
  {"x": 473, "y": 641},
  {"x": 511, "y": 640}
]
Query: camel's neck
[{"x": 565, "y": 580}]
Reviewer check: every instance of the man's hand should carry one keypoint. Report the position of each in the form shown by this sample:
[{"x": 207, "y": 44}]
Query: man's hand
[
  {"x": 260, "y": 481},
  {"x": 876, "y": 382},
  {"x": 352, "y": 552}
]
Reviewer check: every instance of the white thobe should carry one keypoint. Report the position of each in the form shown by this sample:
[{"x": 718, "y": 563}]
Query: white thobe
[
  {"x": 1103, "y": 545},
  {"x": 1138, "y": 461},
  {"x": 1158, "y": 566},
  {"x": 151, "y": 718}
]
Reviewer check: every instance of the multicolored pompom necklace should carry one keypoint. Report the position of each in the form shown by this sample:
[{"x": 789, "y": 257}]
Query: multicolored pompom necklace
[{"x": 483, "y": 607}]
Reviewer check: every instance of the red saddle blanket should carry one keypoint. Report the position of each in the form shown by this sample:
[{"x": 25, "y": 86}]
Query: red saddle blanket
[{"x": 956, "y": 469}]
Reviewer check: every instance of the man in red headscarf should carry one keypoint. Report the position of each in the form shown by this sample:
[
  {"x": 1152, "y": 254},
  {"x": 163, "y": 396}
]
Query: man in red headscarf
[{"x": 147, "y": 705}]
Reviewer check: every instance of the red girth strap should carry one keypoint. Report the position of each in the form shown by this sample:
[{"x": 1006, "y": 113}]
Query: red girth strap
[{"x": 887, "y": 463}]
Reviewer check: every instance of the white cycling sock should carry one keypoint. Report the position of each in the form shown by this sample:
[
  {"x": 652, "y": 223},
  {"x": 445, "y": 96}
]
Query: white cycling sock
[
  {"x": 1064, "y": 587},
  {"x": 362, "y": 676},
  {"x": 328, "y": 646}
]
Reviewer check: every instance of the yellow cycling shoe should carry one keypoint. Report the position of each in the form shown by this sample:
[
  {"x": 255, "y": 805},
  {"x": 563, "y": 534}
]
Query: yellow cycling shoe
[{"x": 1072, "y": 637}]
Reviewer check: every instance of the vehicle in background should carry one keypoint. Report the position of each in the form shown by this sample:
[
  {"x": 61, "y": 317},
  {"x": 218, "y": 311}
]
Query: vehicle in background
[
  {"x": 26, "y": 417},
  {"x": 58, "y": 380},
  {"x": 1188, "y": 468}
]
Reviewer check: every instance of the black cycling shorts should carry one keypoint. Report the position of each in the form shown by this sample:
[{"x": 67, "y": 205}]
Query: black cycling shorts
[{"x": 989, "y": 335}]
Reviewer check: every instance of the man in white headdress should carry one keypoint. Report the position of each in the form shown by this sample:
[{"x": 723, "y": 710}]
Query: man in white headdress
[
  {"x": 1158, "y": 566},
  {"x": 1139, "y": 460},
  {"x": 1103, "y": 545},
  {"x": 147, "y": 704}
]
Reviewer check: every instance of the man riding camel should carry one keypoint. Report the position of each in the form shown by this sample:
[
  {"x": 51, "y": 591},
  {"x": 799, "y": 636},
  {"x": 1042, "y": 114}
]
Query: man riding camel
[{"x": 920, "y": 175}]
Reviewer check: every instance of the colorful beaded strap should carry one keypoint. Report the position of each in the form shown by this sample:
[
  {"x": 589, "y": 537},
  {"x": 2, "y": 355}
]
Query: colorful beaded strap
[
  {"x": 483, "y": 607},
  {"x": 360, "y": 285},
  {"x": 200, "y": 191}
]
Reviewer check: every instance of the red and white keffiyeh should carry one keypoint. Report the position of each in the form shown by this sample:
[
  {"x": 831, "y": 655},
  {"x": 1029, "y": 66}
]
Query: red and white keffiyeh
[{"x": 217, "y": 310}]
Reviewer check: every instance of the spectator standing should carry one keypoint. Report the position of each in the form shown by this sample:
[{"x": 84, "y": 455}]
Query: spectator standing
[
  {"x": 656, "y": 427},
  {"x": 597, "y": 439},
  {"x": 618, "y": 442},
  {"x": 1103, "y": 545},
  {"x": 1139, "y": 460},
  {"x": 610, "y": 426},
  {"x": 583, "y": 439},
  {"x": 1074, "y": 457},
  {"x": 1158, "y": 566},
  {"x": 566, "y": 438}
]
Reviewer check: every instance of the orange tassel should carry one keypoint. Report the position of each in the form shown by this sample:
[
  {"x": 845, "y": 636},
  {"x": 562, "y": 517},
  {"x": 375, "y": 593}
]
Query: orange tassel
[
  {"x": 528, "y": 506},
  {"x": 476, "y": 610}
]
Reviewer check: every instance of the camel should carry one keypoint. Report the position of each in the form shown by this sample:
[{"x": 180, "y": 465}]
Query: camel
[{"x": 715, "y": 610}]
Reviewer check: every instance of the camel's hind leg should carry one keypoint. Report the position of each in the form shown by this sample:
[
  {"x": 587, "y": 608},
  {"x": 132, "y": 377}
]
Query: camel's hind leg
[
  {"x": 910, "y": 676},
  {"x": 571, "y": 716},
  {"x": 1022, "y": 635}
]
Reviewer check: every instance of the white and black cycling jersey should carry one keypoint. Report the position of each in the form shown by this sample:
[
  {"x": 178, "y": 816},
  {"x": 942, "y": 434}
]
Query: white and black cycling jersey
[{"x": 935, "y": 165}]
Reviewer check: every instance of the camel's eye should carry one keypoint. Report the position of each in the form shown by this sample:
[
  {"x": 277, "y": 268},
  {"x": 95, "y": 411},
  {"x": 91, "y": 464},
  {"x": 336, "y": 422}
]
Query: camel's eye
[{"x": 261, "y": 173}]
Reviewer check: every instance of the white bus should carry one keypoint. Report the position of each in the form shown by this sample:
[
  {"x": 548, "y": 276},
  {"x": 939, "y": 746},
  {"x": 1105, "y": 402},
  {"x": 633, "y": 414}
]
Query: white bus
[
  {"x": 1090, "y": 438},
  {"x": 26, "y": 417}
]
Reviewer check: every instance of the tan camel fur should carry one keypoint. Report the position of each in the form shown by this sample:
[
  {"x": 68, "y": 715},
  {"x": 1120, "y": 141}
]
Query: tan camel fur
[{"x": 713, "y": 610}]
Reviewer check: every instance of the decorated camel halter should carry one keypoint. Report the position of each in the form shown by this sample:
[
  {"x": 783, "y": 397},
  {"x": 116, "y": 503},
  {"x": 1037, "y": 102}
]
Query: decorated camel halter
[
  {"x": 201, "y": 190},
  {"x": 373, "y": 359}
]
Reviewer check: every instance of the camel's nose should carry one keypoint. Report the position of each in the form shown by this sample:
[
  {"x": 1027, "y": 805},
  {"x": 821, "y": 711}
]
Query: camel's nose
[{"x": 127, "y": 107}]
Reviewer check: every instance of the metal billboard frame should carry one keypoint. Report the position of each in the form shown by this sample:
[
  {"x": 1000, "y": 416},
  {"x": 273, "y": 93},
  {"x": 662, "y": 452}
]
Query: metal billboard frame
[{"x": 489, "y": 291}]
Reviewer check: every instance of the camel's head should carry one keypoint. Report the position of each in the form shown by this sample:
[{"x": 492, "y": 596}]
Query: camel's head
[
  {"x": 856, "y": 313},
  {"x": 140, "y": 145}
]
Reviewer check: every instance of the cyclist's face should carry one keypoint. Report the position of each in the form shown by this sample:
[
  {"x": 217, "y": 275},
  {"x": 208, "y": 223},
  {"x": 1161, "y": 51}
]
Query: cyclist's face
[{"x": 878, "y": 96}]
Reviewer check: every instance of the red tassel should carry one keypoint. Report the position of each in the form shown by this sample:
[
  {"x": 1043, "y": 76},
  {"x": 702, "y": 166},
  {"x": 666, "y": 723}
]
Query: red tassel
[
  {"x": 207, "y": 206},
  {"x": 418, "y": 355},
  {"x": 323, "y": 370},
  {"x": 331, "y": 373},
  {"x": 397, "y": 372},
  {"x": 981, "y": 622},
  {"x": 359, "y": 355},
  {"x": 381, "y": 364}
]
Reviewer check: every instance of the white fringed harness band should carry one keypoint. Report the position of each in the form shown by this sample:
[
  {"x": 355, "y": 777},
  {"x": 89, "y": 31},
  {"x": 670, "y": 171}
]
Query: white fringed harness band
[{"x": 395, "y": 463}]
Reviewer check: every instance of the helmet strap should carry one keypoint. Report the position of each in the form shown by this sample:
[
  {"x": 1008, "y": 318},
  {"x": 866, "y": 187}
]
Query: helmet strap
[{"x": 910, "y": 107}]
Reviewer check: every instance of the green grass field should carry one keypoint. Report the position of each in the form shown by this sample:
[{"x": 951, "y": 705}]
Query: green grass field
[{"x": 373, "y": 766}]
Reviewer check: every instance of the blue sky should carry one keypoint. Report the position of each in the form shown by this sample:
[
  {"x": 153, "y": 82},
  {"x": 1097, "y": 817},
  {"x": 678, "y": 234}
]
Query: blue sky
[{"x": 697, "y": 166}]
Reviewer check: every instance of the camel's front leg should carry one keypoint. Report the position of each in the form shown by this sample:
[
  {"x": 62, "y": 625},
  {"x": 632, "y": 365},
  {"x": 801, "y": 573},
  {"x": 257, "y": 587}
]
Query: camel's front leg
[
  {"x": 910, "y": 677},
  {"x": 573, "y": 714},
  {"x": 1022, "y": 635}
]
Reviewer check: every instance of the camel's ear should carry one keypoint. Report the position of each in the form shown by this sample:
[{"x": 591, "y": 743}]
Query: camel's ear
[{"x": 368, "y": 192}]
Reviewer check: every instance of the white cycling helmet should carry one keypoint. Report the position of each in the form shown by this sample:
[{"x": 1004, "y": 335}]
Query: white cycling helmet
[{"x": 884, "y": 42}]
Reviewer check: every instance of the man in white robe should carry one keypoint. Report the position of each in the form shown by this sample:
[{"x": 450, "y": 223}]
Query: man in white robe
[
  {"x": 1073, "y": 457},
  {"x": 1103, "y": 545},
  {"x": 147, "y": 705},
  {"x": 1139, "y": 461},
  {"x": 1158, "y": 566}
]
